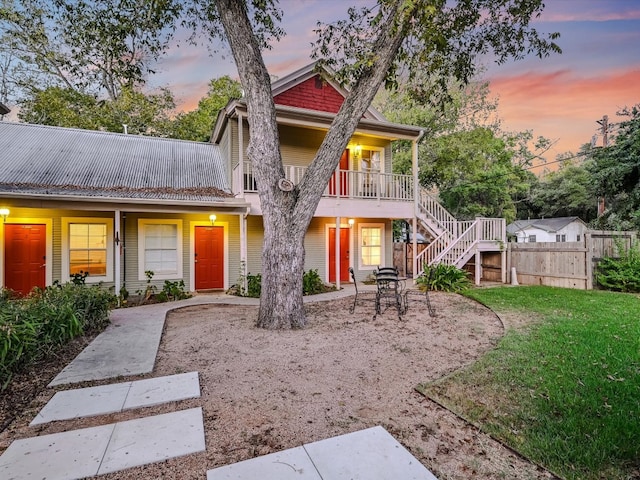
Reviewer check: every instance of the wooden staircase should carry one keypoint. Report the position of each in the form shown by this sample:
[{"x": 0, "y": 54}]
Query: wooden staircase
[{"x": 455, "y": 242}]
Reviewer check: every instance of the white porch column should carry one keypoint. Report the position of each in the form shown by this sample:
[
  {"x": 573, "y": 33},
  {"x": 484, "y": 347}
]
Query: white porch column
[
  {"x": 116, "y": 251},
  {"x": 337, "y": 252},
  {"x": 241, "y": 154},
  {"x": 416, "y": 200},
  {"x": 243, "y": 249}
]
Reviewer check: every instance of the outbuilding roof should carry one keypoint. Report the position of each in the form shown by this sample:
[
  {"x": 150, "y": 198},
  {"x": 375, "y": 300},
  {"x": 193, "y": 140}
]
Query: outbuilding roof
[
  {"x": 66, "y": 162},
  {"x": 4, "y": 109},
  {"x": 546, "y": 224}
]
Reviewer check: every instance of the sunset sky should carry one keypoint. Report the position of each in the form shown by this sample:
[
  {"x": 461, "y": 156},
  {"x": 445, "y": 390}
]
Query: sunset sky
[{"x": 559, "y": 97}]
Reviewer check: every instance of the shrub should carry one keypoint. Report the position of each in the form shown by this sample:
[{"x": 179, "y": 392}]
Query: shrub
[
  {"x": 254, "y": 285},
  {"x": 447, "y": 278},
  {"x": 312, "y": 284},
  {"x": 621, "y": 274},
  {"x": 172, "y": 291},
  {"x": 34, "y": 326}
]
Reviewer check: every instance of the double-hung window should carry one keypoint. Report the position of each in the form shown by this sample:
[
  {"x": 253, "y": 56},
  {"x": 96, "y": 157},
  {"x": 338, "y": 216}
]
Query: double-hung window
[
  {"x": 160, "y": 248},
  {"x": 371, "y": 246},
  {"x": 87, "y": 248}
]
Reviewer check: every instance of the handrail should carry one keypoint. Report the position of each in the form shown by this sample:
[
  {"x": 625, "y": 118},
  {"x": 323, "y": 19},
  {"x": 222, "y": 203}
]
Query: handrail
[{"x": 346, "y": 183}]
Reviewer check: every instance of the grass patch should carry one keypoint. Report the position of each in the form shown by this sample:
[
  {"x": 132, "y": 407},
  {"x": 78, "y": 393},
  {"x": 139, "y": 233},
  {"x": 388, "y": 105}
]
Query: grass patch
[{"x": 563, "y": 390}]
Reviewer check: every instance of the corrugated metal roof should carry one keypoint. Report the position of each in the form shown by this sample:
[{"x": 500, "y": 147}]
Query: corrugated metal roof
[
  {"x": 547, "y": 224},
  {"x": 37, "y": 159}
]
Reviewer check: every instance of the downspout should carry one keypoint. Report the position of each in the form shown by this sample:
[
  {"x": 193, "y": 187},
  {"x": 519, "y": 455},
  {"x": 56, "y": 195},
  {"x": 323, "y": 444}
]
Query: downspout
[{"x": 416, "y": 204}]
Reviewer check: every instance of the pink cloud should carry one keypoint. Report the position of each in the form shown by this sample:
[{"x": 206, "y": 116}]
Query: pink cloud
[{"x": 562, "y": 104}]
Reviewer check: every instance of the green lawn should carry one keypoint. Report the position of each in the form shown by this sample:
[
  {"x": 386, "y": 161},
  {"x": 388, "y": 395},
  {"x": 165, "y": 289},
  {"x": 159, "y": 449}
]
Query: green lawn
[{"x": 564, "y": 390}]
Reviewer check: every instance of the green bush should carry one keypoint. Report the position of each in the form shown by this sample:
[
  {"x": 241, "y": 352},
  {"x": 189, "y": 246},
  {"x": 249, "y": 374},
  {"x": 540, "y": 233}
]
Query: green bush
[
  {"x": 254, "y": 285},
  {"x": 172, "y": 291},
  {"x": 36, "y": 325},
  {"x": 621, "y": 274},
  {"x": 447, "y": 278},
  {"x": 312, "y": 284}
]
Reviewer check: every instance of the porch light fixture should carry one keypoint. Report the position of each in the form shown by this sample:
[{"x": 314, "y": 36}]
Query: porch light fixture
[
  {"x": 4, "y": 212},
  {"x": 212, "y": 218},
  {"x": 351, "y": 222}
]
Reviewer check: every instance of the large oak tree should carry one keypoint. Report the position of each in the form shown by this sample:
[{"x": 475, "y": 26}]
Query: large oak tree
[{"x": 368, "y": 49}]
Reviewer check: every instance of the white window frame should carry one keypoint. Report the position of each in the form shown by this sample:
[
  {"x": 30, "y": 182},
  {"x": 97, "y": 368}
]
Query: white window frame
[
  {"x": 66, "y": 245},
  {"x": 362, "y": 226},
  {"x": 142, "y": 222}
]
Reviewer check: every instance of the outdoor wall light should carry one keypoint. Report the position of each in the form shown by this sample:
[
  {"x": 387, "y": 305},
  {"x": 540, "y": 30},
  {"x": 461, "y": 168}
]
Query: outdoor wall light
[
  {"x": 4, "y": 213},
  {"x": 351, "y": 222},
  {"x": 212, "y": 218}
]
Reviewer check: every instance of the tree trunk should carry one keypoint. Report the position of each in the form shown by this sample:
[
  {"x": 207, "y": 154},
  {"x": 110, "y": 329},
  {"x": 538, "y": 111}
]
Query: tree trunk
[{"x": 287, "y": 215}]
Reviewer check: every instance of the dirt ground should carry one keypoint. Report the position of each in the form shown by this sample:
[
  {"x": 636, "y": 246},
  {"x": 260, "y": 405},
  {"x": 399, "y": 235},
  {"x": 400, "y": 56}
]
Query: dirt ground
[{"x": 265, "y": 391}]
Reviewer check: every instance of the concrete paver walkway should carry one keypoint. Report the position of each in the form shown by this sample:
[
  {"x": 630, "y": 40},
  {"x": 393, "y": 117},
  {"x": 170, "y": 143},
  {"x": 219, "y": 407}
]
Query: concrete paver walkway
[
  {"x": 371, "y": 454},
  {"x": 105, "y": 399},
  {"x": 104, "y": 449}
]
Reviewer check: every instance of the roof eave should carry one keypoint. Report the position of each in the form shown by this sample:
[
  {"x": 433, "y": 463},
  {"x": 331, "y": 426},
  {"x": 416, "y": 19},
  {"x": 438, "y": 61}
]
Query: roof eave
[{"x": 286, "y": 115}]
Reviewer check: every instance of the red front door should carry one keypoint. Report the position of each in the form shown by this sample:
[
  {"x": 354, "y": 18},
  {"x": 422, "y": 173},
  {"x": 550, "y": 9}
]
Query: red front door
[
  {"x": 344, "y": 254},
  {"x": 209, "y": 257},
  {"x": 344, "y": 183},
  {"x": 25, "y": 250}
]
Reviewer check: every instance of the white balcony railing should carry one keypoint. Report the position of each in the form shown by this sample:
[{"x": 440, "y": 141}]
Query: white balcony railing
[{"x": 343, "y": 183}]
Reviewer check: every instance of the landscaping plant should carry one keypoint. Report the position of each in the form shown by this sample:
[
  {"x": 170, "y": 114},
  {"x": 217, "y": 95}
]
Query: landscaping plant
[
  {"x": 621, "y": 274},
  {"x": 36, "y": 325},
  {"x": 446, "y": 278}
]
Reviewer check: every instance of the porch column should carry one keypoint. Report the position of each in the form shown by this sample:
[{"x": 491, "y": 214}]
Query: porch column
[
  {"x": 116, "y": 251},
  {"x": 416, "y": 203},
  {"x": 478, "y": 267},
  {"x": 337, "y": 252},
  {"x": 242, "y": 218},
  {"x": 240, "y": 155}
]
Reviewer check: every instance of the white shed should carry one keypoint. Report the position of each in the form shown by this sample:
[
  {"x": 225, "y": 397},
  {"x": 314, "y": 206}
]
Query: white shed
[{"x": 561, "y": 229}]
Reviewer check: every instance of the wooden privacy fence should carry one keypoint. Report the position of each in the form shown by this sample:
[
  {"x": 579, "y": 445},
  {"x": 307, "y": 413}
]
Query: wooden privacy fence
[{"x": 565, "y": 264}]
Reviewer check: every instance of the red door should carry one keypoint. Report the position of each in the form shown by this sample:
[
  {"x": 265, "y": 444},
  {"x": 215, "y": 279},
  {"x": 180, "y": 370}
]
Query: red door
[
  {"x": 25, "y": 250},
  {"x": 209, "y": 257},
  {"x": 344, "y": 254},
  {"x": 344, "y": 183}
]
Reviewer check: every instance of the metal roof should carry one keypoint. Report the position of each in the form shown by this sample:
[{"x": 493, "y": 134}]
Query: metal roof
[
  {"x": 546, "y": 224},
  {"x": 44, "y": 160}
]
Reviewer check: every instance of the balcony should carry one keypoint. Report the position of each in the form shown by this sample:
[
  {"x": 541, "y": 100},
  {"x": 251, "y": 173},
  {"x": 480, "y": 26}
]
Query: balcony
[{"x": 343, "y": 184}]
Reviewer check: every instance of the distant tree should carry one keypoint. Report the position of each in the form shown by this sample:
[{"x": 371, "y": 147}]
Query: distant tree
[
  {"x": 64, "y": 107},
  {"x": 616, "y": 174},
  {"x": 475, "y": 175},
  {"x": 88, "y": 46},
  {"x": 198, "y": 124},
  {"x": 566, "y": 192}
]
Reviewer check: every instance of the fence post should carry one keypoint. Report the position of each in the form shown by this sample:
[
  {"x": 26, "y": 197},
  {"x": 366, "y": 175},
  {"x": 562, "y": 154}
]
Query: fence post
[{"x": 588, "y": 258}]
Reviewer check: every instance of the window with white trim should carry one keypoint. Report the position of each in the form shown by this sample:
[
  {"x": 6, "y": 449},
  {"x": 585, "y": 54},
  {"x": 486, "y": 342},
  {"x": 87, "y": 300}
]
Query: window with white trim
[
  {"x": 371, "y": 246},
  {"x": 87, "y": 247},
  {"x": 160, "y": 248}
]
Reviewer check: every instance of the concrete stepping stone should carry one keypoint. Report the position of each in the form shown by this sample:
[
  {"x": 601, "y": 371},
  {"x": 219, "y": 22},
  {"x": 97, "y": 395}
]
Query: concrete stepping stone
[
  {"x": 105, "y": 399},
  {"x": 292, "y": 464},
  {"x": 371, "y": 454},
  {"x": 367, "y": 454},
  {"x": 108, "y": 448}
]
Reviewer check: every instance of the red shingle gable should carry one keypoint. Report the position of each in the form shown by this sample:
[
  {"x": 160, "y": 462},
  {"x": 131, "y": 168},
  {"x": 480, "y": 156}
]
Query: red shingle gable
[{"x": 313, "y": 94}]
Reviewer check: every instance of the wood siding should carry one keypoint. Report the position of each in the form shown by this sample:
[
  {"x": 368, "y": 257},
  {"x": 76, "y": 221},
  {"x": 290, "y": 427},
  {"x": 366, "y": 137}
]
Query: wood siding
[{"x": 313, "y": 94}]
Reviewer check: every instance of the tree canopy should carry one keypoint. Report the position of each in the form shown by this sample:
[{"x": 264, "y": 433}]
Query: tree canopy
[
  {"x": 616, "y": 174},
  {"x": 88, "y": 46}
]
